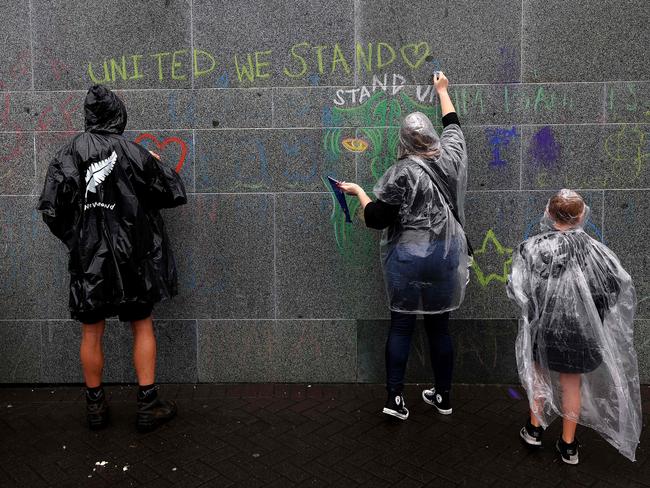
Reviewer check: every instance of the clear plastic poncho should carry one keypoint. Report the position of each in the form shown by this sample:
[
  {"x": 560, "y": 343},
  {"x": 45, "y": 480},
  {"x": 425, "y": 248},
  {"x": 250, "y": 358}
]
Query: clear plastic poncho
[
  {"x": 578, "y": 306},
  {"x": 424, "y": 254}
]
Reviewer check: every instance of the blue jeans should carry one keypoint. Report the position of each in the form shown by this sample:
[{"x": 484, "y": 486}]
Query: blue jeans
[
  {"x": 421, "y": 278},
  {"x": 398, "y": 346}
]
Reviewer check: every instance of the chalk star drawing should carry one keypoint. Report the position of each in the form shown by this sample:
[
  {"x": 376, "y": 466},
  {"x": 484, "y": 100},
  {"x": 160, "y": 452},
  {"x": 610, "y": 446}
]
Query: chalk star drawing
[{"x": 493, "y": 243}]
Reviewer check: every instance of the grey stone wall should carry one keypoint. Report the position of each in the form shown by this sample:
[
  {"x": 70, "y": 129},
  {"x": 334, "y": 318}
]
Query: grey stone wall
[{"x": 255, "y": 102}]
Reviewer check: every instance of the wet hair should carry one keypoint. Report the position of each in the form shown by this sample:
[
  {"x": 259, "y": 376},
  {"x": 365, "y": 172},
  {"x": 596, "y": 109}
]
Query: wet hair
[
  {"x": 421, "y": 142},
  {"x": 566, "y": 207}
]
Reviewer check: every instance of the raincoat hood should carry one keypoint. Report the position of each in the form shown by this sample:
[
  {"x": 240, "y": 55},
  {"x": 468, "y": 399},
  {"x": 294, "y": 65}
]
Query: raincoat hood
[
  {"x": 417, "y": 137},
  {"x": 104, "y": 111}
]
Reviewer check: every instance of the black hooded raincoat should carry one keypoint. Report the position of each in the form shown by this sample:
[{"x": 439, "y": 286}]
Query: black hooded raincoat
[{"x": 102, "y": 197}]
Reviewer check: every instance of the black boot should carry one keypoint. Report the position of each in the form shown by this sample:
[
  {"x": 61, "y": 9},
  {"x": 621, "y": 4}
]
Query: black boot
[
  {"x": 97, "y": 412},
  {"x": 152, "y": 411}
]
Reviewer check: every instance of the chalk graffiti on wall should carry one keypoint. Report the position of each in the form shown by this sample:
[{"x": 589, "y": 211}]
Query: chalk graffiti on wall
[
  {"x": 58, "y": 115},
  {"x": 156, "y": 145},
  {"x": 544, "y": 149},
  {"x": 628, "y": 151},
  {"x": 378, "y": 135},
  {"x": 304, "y": 60},
  {"x": 491, "y": 245},
  {"x": 500, "y": 138},
  {"x": 19, "y": 71},
  {"x": 376, "y": 142}
]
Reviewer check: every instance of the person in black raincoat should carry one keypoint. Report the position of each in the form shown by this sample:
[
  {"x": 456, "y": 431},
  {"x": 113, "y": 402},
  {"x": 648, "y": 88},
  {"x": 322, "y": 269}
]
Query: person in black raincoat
[
  {"x": 424, "y": 251},
  {"x": 101, "y": 197}
]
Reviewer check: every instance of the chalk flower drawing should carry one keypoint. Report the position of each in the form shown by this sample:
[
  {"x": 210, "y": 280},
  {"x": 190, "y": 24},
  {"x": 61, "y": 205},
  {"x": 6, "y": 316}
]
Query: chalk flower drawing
[{"x": 97, "y": 173}]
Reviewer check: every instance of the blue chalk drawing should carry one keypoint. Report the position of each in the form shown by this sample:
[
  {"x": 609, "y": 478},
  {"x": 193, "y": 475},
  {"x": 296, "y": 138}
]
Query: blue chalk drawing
[
  {"x": 223, "y": 81},
  {"x": 175, "y": 117},
  {"x": 499, "y": 138}
]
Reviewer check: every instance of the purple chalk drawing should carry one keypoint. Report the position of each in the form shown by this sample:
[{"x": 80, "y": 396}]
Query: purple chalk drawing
[
  {"x": 544, "y": 149},
  {"x": 509, "y": 64},
  {"x": 499, "y": 138},
  {"x": 514, "y": 394}
]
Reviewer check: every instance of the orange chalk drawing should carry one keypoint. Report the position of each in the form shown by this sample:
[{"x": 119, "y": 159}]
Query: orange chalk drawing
[{"x": 354, "y": 145}]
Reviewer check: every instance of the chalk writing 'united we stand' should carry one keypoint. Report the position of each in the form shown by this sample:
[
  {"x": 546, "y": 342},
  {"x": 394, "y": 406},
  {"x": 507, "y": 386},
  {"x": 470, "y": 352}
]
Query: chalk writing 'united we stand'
[{"x": 302, "y": 60}]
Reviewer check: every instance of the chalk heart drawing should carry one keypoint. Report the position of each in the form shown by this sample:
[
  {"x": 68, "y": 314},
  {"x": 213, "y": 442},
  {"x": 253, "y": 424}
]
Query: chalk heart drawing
[
  {"x": 161, "y": 145},
  {"x": 415, "y": 52},
  {"x": 354, "y": 145}
]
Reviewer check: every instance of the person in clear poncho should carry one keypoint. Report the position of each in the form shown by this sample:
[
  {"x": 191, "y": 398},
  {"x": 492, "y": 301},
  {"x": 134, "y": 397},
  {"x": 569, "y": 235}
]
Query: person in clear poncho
[
  {"x": 575, "y": 351},
  {"x": 424, "y": 251}
]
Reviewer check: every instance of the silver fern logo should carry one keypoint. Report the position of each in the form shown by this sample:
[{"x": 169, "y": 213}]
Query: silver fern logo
[{"x": 97, "y": 173}]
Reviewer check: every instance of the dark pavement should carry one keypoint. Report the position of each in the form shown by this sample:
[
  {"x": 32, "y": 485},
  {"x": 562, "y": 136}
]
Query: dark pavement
[{"x": 295, "y": 435}]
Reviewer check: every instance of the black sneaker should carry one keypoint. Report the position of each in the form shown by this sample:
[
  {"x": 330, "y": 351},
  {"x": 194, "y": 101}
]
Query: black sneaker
[
  {"x": 97, "y": 412},
  {"x": 568, "y": 452},
  {"x": 439, "y": 400},
  {"x": 396, "y": 407},
  {"x": 153, "y": 414},
  {"x": 531, "y": 435}
]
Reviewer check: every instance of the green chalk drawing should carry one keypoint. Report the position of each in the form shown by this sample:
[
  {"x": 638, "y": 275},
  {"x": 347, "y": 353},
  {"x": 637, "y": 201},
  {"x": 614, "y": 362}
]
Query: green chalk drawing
[{"x": 378, "y": 119}]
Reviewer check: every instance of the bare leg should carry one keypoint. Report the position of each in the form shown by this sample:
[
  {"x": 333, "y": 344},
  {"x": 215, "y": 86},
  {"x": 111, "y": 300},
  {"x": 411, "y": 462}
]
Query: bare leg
[
  {"x": 144, "y": 350},
  {"x": 571, "y": 403},
  {"x": 92, "y": 354},
  {"x": 534, "y": 420},
  {"x": 536, "y": 401}
]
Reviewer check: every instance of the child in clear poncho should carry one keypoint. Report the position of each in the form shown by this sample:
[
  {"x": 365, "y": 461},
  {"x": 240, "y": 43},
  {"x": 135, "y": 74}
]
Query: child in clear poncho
[{"x": 575, "y": 351}]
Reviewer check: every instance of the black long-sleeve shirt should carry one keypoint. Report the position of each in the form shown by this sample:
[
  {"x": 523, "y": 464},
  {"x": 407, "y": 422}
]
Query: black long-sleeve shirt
[{"x": 378, "y": 214}]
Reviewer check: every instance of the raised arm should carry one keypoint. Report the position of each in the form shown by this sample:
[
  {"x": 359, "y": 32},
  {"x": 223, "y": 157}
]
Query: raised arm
[{"x": 441, "y": 83}]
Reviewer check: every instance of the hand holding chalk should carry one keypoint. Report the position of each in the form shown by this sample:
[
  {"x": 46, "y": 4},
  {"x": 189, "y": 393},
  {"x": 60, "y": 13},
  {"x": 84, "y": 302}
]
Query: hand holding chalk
[{"x": 440, "y": 81}]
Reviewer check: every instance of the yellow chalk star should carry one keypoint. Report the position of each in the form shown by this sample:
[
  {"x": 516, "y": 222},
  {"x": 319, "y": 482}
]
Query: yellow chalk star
[{"x": 491, "y": 238}]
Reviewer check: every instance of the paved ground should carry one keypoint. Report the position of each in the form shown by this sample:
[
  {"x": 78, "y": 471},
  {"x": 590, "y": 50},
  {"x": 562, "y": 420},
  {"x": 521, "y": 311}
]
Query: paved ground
[{"x": 294, "y": 435}]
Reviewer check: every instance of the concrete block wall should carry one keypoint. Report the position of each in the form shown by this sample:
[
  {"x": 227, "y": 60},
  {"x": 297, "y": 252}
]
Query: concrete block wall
[{"x": 254, "y": 103}]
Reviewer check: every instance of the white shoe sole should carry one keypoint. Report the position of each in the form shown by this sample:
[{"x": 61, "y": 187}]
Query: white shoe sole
[
  {"x": 531, "y": 441},
  {"x": 395, "y": 414},
  {"x": 572, "y": 462},
  {"x": 440, "y": 410}
]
